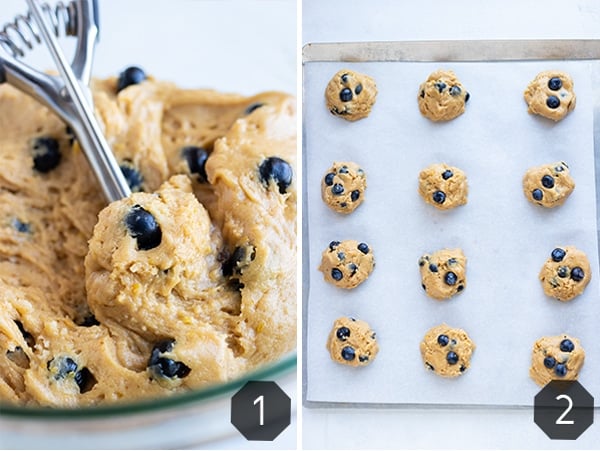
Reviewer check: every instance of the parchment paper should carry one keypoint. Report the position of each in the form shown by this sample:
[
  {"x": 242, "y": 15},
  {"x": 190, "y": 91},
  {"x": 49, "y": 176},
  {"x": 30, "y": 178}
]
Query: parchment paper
[{"x": 506, "y": 239}]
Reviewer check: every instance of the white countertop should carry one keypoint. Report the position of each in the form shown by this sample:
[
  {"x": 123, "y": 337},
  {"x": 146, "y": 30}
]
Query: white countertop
[{"x": 359, "y": 20}]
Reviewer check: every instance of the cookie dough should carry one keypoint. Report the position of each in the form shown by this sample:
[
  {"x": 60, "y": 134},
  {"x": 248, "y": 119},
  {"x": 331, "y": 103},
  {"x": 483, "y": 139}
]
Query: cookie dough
[
  {"x": 350, "y": 95},
  {"x": 343, "y": 187},
  {"x": 566, "y": 273},
  {"x": 447, "y": 351},
  {"x": 347, "y": 264},
  {"x": 443, "y": 186},
  {"x": 548, "y": 185},
  {"x": 443, "y": 273},
  {"x": 442, "y": 97},
  {"x": 352, "y": 342},
  {"x": 550, "y": 95},
  {"x": 556, "y": 358},
  {"x": 189, "y": 282}
]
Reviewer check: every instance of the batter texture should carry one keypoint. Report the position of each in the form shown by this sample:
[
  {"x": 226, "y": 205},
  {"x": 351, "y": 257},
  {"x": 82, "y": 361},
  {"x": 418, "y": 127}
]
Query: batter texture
[{"x": 188, "y": 282}]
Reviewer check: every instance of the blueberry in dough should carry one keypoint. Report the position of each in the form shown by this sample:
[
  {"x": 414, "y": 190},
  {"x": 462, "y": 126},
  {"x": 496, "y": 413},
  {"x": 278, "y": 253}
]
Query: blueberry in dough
[
  {"x": 132, "y": 75},
  {"x": 46, "y": 154},
  {"x": 196, "y": 159},
  {"x": 143, "y": 227},
  {"x": 278, "y": 170}
]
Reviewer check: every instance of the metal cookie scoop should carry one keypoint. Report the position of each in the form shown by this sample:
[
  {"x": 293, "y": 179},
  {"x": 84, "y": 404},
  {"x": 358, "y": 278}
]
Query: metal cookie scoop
[{"x": 68, "y": 95}]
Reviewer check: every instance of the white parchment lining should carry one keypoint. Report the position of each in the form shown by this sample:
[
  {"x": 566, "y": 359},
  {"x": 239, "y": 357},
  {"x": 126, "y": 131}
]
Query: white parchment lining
[{"x": 505, "y": 238}]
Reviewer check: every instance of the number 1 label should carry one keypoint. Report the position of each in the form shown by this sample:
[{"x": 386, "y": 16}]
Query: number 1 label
[{"x": 261, "y": 417}]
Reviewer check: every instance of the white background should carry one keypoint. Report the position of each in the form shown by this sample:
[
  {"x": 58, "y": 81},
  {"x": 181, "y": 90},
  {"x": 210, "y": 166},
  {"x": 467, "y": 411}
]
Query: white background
[
  {"x": 238, "y": 46},
  {"x": 354, "y": 21}
]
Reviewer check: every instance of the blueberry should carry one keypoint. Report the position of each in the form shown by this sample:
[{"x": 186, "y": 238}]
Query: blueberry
[
  {"x": 537, "y": 194},
  {"x": 337, "y": 189},
  {"x": 329, "y": 179},
  {"x": 341, "y": 256},
  {"x": 560, "y": 370},
  {"x": 20, "y": 226},
  {"x": 447, "y": 174},
  {"x": 423, "y": 286},
  {"x": 348, "y": 353},
  {"x": 363, "y": 358},
  {"x": 346, "y": 95},
  {"x": 566, "y": 345},
  {"x": 450, "y": 278},
  {"x": 555, "y": 83},
  {"x": 439, "y": 197},
  {"x": 355, "y": 195},
  {"x": 343, "y": 170},
  {"x": 133, "y": 75},
  {"x": 277, "y": 169},
  {"x": 549, "y": 362},
  {"x": 455, "y": 90},
  {"x": 344, "y": 78},
  {"x": 253, "y": 107},
  {"x": 344, "y": 204},
  {"x": 336, "y": 274},
  {"x": 363, "y": 247},
  {"x": 548, "y": 181},
  {"x": 46, "y": 154},
  {"x": 240, "y": 254},
  {"x": 196, "y": 159},
  {"x": 562, "y": 272},
  {"x": 61, "y": 367},
  {"x": 553, "y": 102},
  {"x": 333, "y": 245},
  {"x": 422, "y": 94},
  {"x": 343, "y": 333},
  {"x": 443, "y": 340},
  {"x": 133, "y": 177},
  {"x": 433, "y": 268},
  {"x": 460, "y": 288},
  {"x": 142, "y": 226},
  {"x": 558, "y": 254},
  {"x": 353, "y": 268},
  {"x": 440, "y": 85},
  {"x": 577, "y": 274},
  {"x": 161, "y": 366},
  {"x": 422, "y": 261},
  {"x": 85, "y": 380},
  {"x": 452, "y": 358},
  {"x": 467, "y": 97},
  {"x": 452, "y": 261},
  {"x": 358, "y": 89}
]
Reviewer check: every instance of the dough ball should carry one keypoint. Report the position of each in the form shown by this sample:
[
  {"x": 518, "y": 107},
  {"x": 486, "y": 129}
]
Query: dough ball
[
  {"x": 550, "y": 95},
  {"x": 347, "y": 264},
  {"x": 548, "y": 185},
  {"x": 447, "y": 351},
  {"x": 442, "y": 97},
  {"x": 443, "y": 273},
  {"x": 443, "y": 186},
  {"x": 352, "y": 342},
  {"x": 350, "y": 95},
  {"x": 556, "y": 358},
  {"x": 566, "y": 273},
  {"x": 343, "y": 187}
]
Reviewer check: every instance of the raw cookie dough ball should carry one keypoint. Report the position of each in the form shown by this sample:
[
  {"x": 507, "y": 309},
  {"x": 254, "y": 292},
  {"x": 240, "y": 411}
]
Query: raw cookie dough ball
[
  {"x": 350, "y": 95},
  {"x": 548, "y": 185},
  {"x": 443, "y": 186},
  {"x": 443, "y": 273},
  {"x": 447, "y": 351},
  {"x": 566, "y": 273},
  {"x": 347, "y": 264},
  {"x": 556, "y": 358},
  {"x": 352, "y": 342},
  {"x": 343, "y": 187},
  {"x": 442, "y": 97},
  {"x": 551, "y": 95}
]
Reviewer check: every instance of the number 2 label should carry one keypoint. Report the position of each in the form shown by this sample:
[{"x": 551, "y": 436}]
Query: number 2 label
[{"x": 560, "y": 419}]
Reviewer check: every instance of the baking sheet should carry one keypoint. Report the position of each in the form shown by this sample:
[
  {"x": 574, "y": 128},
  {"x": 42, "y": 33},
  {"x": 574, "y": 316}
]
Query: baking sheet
[{"x": 505, "y": 238}]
